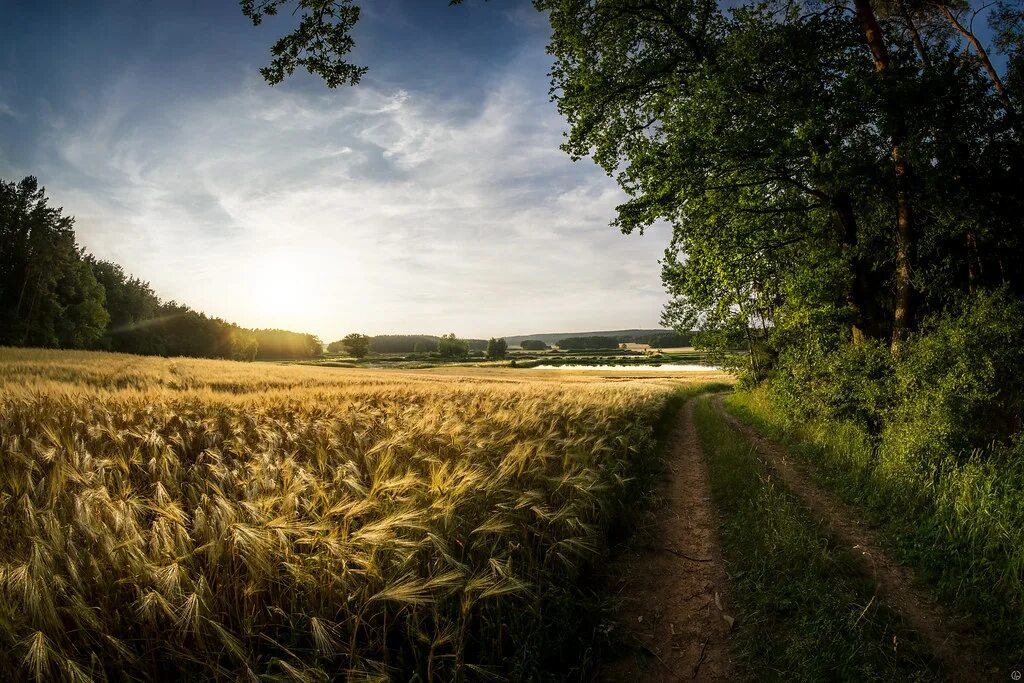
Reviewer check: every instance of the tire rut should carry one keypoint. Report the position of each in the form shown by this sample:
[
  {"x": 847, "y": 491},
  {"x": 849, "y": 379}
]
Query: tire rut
[
  {"x": 671, "y": 621},
  {"x": 957, "y": 650}
]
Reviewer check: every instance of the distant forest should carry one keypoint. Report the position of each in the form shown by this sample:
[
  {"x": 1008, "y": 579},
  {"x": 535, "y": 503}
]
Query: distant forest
[
  {"x": 55, "y": 294},
  {"x": 414, "y": 343},
  {"x": 638, "y": 336},
  {"x": 423, "y": 343}
]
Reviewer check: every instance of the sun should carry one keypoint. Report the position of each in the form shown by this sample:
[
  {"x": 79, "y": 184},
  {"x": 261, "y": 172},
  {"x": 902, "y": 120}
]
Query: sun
[{"x": 283, "y": 288}]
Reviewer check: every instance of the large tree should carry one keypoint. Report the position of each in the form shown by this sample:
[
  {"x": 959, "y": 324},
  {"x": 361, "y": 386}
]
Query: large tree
[{"x": 357, "y": 345}]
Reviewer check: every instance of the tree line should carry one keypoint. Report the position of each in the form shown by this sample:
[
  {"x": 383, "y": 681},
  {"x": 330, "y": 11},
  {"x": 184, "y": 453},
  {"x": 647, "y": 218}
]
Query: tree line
[
  {"x": 406, "y": 343},
  {"x": 448, "y": 346},
  {"x": 587, "y": 343},
  {"x": 55, "y": 294}
]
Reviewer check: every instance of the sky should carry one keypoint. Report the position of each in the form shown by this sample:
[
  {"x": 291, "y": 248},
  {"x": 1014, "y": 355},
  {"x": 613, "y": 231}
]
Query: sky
[{"x": 430, "y": 198}]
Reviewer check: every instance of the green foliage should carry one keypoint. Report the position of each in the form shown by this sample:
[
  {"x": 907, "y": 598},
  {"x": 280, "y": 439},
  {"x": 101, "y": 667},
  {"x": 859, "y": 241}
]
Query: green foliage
[
  {"x": 319, "y": 44},
  {"x": 496, "y": 348},
  {"x": 958, "y": 384},
  {"x": 357, "y": 345},
  {"x": 402, "y": 343},
  {"x": 951, "y": 389},
  {"x": 668, "y": 341},
  {"x": 587, "y": 343},
  {"x": 133, "y": 306},
  {"x": 958, "y": 519},
  {"x": 764, "y": 134},
  {"x": 533, "y": 345},
  {"x": 449, "y": 346},
  {"x": 275, "y": 344},
  {"x": 849, "y": 383},
  {"x": 49, "y": 294}
]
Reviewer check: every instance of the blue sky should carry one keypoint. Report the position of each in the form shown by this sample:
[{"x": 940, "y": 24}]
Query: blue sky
[{"x": 430, "y": 198}]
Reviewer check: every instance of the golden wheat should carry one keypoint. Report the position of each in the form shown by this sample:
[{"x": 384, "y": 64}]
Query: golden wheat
[{"x": 169, "y": 518}]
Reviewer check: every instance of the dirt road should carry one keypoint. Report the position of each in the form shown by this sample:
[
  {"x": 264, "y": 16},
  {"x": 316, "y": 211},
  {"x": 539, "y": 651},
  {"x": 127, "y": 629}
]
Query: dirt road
[{"x": 673, "y": 621}]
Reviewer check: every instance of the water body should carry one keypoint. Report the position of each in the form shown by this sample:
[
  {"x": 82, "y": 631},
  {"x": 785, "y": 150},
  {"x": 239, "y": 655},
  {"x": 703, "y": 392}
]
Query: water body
[{"x": 666, "y": 367}]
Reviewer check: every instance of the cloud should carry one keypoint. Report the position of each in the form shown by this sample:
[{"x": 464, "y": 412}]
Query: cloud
[{"x": 368, "y": 208}]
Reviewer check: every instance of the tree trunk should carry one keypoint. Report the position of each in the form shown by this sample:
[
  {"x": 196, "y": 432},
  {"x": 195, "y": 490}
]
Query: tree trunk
[
  {"x": 915, "y": 35},
  {"x": 979, "y": 49},
  {"x": 904, "y": 219},
  {"x": 846, "y": 227},
  {"x": 973, "y": 263}
]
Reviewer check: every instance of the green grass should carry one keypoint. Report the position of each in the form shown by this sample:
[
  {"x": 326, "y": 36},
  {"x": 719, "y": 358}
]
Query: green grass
[
  {"x": 960, "y": 526},
  {"x": 805, "y": 611}
]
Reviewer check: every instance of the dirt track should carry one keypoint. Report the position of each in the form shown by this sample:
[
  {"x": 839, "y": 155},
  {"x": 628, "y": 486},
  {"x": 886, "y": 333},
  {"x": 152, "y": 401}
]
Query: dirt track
[
  {"x": 672, "y": 582},
  {"x": 957, "y": 650}
]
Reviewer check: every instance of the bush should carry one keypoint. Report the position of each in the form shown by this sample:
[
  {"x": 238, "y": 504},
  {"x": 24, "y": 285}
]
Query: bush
[
  {"x": 851, "y": 383},
  {"x": 957, "y": 383}
]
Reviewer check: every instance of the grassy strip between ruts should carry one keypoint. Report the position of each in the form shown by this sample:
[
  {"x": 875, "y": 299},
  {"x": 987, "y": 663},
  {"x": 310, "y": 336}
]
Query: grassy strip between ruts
[
  {"x": 958, "y": 526},
  {"x": 805, "y": 612}
]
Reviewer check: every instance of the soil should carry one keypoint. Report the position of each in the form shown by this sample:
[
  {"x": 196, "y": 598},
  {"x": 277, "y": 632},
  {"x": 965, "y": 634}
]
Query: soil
[{"x": 673, "y": 622}]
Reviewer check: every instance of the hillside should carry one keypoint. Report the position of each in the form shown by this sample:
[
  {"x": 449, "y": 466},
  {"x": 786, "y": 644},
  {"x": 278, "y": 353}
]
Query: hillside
[{"x": 552, "y": 337}]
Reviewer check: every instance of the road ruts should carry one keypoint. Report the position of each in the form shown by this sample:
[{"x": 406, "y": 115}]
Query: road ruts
[
  {"x": 671, "y": 624},
  {"x": 958, "y": 651}
]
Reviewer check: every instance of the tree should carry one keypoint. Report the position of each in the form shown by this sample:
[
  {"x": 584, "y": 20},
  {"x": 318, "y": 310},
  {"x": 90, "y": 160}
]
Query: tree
[
  {"x": 132, "y": 306},
  {"x": 533, "y": 345},
  {"x": 814, "y": 218},
  {"x": 243, "y": 344},
  {"x": 668, "y": 341},
  {"x": 587, "y": 343},
  {"x": 318, "y": 44},
  {"x": 496, "y": 348},
  {"x": 402, "y": 343},
  {"x": 49, "y": 295},
  {"x": 357, "y": 345},
  {"x": 449, "y": 346}
]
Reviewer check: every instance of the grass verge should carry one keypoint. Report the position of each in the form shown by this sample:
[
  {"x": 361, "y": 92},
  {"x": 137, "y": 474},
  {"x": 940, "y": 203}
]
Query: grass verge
[
  {"x": 960, "y": 526},
  {"x": 805, "y": 611}
]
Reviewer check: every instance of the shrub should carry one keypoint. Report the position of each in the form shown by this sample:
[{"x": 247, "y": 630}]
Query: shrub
[
  {"x": 957, "y": 382},
  {"x": 851, "y": 383}
]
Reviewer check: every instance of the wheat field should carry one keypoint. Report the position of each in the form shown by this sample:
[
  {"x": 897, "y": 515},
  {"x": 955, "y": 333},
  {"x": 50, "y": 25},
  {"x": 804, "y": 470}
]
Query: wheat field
[{"x": 169, "y": 518}]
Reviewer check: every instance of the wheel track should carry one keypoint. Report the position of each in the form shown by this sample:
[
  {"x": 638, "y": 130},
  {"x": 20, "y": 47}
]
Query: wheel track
[
  {"x": 670, "y": 622},
  {"x": 958, "y": 651}
]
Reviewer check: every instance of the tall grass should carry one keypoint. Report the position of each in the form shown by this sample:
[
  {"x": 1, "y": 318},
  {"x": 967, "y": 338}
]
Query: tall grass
[
  {"x": 960, "y": 520},
  {"x": 806, "y": 613},
  {"x": 166, "y": 519}
]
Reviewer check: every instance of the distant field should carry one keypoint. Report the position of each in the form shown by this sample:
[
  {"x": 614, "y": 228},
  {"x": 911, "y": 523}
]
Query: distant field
[{"x": 172, "y": 517}]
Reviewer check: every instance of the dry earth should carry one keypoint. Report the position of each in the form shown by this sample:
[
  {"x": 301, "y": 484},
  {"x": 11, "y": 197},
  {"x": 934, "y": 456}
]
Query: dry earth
[{"x": 671, "y": 622}]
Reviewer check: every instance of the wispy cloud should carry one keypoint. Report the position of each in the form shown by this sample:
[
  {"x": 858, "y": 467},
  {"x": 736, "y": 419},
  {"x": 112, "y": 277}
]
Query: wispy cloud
[{"x": 369, "y": 208}]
